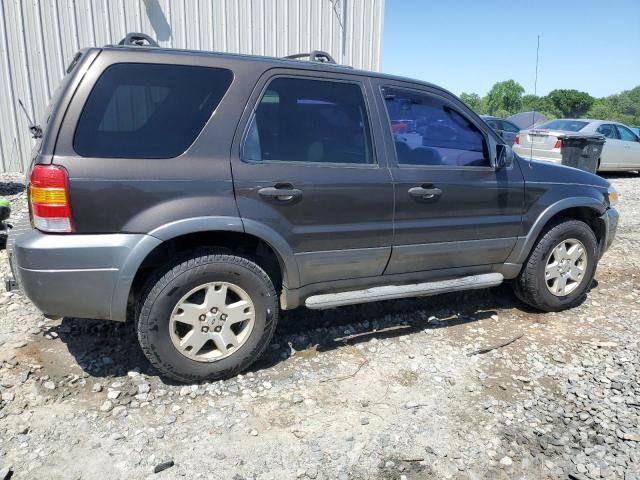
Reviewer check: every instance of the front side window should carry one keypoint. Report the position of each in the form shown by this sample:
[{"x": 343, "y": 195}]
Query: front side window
[
  {"x": 304, "y": 120},
  {"x": 608, "y": 131},
  {"x": 138, "y": 110},
  {"x": 626, "y": 134},
  {"x": 428, "y": 131}
]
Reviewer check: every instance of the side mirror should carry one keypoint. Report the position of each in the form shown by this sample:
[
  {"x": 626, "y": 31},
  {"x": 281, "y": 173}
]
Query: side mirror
[{"x": 504, "y": 158}]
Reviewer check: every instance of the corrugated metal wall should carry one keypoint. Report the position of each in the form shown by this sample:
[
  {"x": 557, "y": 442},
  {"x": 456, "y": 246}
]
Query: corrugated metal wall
[{"x": 39, "y": 37}]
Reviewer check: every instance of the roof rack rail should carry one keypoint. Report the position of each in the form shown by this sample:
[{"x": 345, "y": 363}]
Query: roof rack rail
[
  {"x": 314, "y": 56},
  {"x": 137, "y": 39}
]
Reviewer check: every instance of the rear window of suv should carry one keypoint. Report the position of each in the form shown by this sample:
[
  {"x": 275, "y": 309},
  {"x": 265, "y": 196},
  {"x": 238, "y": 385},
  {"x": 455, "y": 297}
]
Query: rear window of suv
[{"x": 138, "y": 110}]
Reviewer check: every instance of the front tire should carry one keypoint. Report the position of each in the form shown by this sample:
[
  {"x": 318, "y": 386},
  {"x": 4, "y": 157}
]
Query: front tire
[
  {"x": 207, "y": 316},
  {"x": 560, "y": 268}
]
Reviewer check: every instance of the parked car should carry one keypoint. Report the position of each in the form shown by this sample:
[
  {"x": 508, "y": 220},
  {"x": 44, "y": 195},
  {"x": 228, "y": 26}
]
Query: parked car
[
  {"x": 620, "y": 152},
  {"x": 199, "y": 194},
  {"x": 506, "y": 129}
]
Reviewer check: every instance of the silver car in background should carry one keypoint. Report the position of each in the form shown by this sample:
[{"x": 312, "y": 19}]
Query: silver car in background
[{"x": 620, "y": 152}]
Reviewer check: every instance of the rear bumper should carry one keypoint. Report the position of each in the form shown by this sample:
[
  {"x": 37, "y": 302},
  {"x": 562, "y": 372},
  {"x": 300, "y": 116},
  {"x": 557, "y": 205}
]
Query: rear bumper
[
  {"x": 552, "y": 156},
  {"x": 610, "y": 219},
  {"x": 71, "y": 275}
]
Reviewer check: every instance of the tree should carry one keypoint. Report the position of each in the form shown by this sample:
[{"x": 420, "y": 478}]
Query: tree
[
  {"x": 544, "y": 105},
  {"x": 473, "y": 100},
  {"x": 602, "y": 110},
  {"x": 627, "y": 103},
  {"x": 571, "y": 103},
  {"x": 505, "y": 97}
]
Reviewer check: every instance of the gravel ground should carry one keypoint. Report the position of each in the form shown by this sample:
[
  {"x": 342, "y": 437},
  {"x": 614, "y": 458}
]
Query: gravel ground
[{"x": 385, "y": 390}]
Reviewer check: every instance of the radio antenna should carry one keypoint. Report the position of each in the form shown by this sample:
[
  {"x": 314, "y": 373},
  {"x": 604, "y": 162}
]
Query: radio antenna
[{"x": 535, "y": 94}]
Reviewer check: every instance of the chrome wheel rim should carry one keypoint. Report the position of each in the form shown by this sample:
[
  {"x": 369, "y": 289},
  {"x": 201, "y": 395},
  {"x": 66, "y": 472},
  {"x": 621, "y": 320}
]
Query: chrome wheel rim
[
  {"x": 212, "y": 321},
  {"x": 566, "y": 267}
]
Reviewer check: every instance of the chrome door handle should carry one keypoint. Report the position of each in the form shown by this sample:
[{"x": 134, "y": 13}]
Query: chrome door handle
[
  {"x": 282, "y": 194},
  {"x": 425, "y": 192}
]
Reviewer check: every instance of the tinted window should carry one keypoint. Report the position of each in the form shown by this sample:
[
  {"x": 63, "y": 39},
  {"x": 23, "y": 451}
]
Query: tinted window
[
  {"x": 567, "y": 125},
  {"x": 495, "y": 124},
  {"x": 510, "y": 127},
  {"x": 301, "y": 120},
  {"x": 427, "y": 131},
  {"x": 607, "y": 130},
  {"x": 626, "y": 134},
  {"x": 140, "y": 110}
]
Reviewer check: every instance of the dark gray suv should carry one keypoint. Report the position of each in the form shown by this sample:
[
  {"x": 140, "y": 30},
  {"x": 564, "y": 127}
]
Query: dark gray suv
[{"x": 198, "y": 194}]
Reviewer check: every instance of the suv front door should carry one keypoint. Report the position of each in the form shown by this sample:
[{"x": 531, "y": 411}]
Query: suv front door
[
  {"x": 306, "y": 170},
  {"x": 452, "y": 207}
]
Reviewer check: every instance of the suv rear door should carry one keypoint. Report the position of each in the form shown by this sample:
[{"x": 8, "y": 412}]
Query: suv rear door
[
  {"x": 452, "y": 207},
  {"x": 305, "y": 168}
]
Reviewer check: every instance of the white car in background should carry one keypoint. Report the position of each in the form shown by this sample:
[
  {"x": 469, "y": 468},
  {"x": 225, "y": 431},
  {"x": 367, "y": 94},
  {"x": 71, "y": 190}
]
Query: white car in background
[{"x": 621, "y": 150}]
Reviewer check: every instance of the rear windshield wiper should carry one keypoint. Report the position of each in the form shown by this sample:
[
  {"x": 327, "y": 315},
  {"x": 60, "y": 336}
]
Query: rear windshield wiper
[{"x": 36, "y": 130}]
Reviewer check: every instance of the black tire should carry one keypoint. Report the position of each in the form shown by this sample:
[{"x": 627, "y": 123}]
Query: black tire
[
  {"x": 172, "y": 282},
  {"x": 531, "y": 285}
]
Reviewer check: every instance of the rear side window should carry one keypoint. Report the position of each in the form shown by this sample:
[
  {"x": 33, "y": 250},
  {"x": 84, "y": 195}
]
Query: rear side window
[
  {"x": 303, "y": 120},
  {"x": 427, "y": 131},
  {"x": 608, "y": 131},
  {"x": 138, "y": 110}
]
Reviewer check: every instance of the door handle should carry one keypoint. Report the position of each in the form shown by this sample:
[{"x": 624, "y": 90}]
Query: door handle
[
  {"x": 425, "y": 192},
  {"x": 284, "y": 193}
]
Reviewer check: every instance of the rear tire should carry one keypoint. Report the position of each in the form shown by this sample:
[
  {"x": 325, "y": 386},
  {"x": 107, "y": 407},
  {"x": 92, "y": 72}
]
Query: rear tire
[
  {"x": 560, "y": 268},
  {"x": 207, "y": 316}
]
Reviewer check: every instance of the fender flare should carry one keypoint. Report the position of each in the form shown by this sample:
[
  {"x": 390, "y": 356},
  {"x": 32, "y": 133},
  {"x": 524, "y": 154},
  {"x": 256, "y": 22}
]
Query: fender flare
[
  {"x": 156, "y": 237},
  {"x": 524, "y": 245}
]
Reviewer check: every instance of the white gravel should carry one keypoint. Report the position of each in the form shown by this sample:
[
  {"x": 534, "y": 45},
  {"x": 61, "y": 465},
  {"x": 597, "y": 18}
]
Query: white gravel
[{"x": 383, "y": 390}]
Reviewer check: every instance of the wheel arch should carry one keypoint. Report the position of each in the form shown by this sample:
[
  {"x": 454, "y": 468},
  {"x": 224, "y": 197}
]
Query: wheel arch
[
  {"x": 252, "y": 239},
  {"x": 586, "y": 209}
]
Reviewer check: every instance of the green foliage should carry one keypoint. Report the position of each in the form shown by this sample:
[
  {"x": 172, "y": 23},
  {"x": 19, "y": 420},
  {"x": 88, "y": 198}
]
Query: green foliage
[
  {"x": 571, "y": 103},
  {"x": 505, "y": 97},
  {"x": 544, "y": 105},
  {"x": 473, "y": 100},
  {"x": 623, "y": 107}
]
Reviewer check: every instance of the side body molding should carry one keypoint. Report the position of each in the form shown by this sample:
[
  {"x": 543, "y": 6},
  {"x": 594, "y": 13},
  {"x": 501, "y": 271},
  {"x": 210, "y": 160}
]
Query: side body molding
[
  {"x": 178, "y": 228},
  {"x": 524, "y": 244}
]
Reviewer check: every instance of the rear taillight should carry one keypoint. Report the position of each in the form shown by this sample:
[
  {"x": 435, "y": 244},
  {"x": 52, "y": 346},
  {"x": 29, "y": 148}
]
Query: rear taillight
[
  {"x": 558, "y": 144},
  {"x": 49, "y": 197},
  {"x": 517, "y": 139}
]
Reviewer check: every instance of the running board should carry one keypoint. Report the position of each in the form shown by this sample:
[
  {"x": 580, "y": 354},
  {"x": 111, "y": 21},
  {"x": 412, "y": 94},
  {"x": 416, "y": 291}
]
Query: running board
[{"x": 390, "y": 292}]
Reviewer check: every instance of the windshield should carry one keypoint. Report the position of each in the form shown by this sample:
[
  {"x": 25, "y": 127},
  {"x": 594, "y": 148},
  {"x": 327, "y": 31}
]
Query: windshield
[{"x": 567, "y": 125}]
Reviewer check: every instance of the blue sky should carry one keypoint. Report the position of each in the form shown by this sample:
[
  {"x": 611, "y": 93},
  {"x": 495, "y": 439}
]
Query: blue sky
[{"x": 467, "y": 46}]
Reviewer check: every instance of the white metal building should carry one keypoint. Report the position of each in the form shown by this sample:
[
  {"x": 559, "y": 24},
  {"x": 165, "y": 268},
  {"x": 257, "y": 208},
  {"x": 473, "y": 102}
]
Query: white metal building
[{"x": 38, "y": 38}]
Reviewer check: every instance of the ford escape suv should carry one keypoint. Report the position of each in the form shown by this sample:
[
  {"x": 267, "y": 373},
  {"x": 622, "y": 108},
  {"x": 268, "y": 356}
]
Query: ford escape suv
[{"x": 198, "y": 194}]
